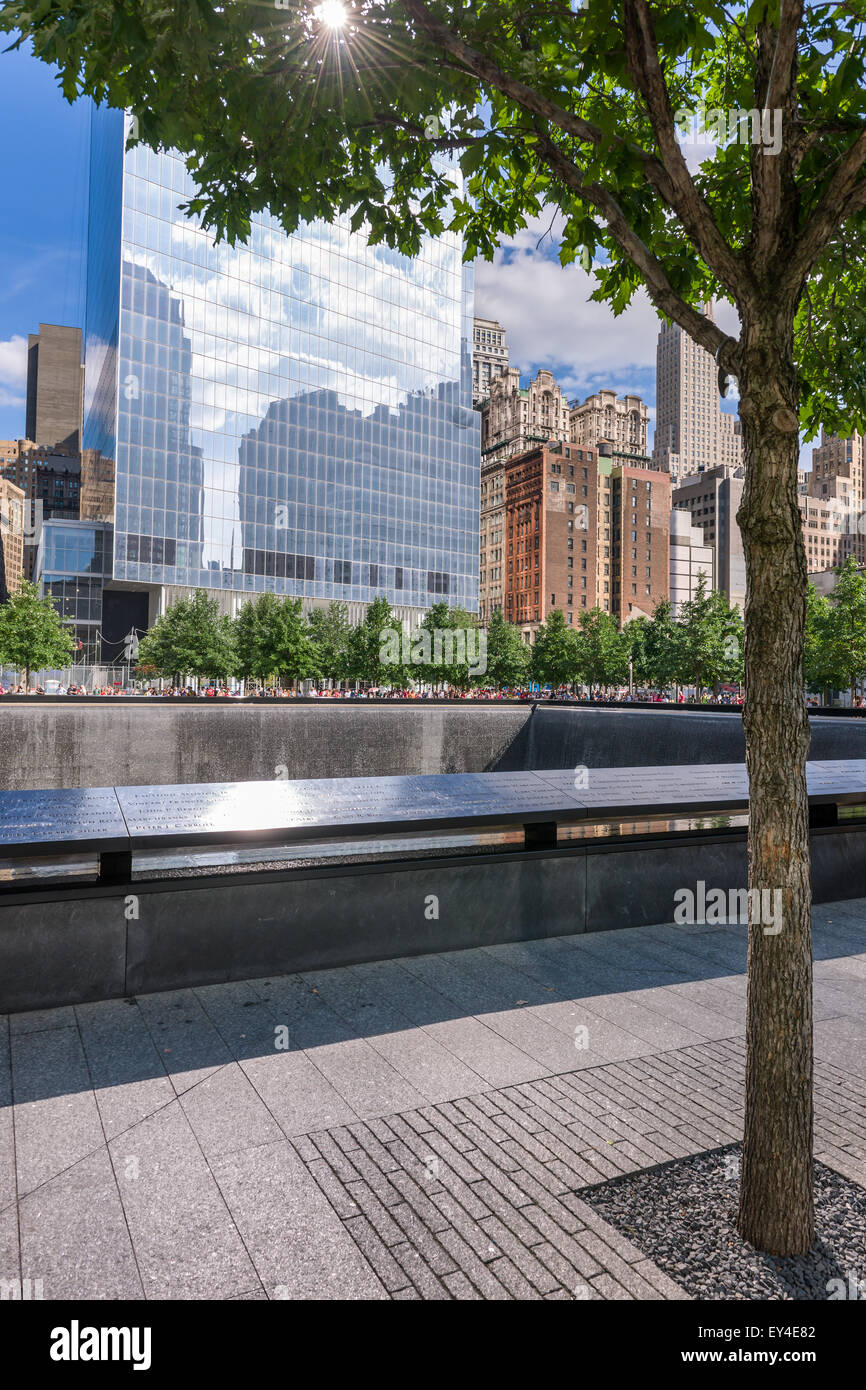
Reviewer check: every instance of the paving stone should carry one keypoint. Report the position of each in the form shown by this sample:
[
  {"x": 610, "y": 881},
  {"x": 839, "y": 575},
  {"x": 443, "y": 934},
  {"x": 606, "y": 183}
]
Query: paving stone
[
  {"x": 299, "y": 1246},
  {"x": 190, "y": 1047},
  {"x": 243, "y": 1020},
  {"x": 480, "y": 1274},
  {"x": 56, "y": 1116},
  {"x": 423, "y": 1240},
  {"x": 414, "y": 1265},
  {"x": 126, "y": 1070},
  {"x": 365, "y": 1080},
  {"x": 10, "y": 1258},
  {"x": 39, "y": 1020},
  {"x": 504, "y": 1239},
  {"x": 296, "y": 1092},
  {"x": 569, "y": 1245},
  {"x": 459, "y": 1286},
  {"x": 67, "y": 1227},
  {"x": 8, "y": 1186},
  {"x": 392, "y": 1275},
  {"x": 442, "y": 1156},
  {"x": 186, "y": 1244}
]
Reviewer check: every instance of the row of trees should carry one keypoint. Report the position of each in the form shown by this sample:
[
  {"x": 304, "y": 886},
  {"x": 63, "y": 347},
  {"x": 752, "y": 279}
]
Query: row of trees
[
  {"x": 703, "y": 646},
  {"x": 271, "y": 639}
]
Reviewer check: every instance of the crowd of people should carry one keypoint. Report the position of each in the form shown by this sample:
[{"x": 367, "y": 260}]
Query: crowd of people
[{"x": 213, "y": 690}]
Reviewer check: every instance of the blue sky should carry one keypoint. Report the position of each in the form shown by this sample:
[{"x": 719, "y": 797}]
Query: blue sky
[{"x": 43, "y": 164}]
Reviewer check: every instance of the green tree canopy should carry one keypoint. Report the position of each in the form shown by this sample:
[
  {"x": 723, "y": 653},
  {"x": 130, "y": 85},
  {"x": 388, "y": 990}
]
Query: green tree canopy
[
  {"x": 273, "y": 640},
  {"x": 32, "y": 635},
  {"x": 554, "y": 652},
  {"x": 190, "y": 638},
  {"x": 818, "y": 670},
  {"x": 602, "y": 650},
  {"x": 452, "y": 637},
  {"x": 507, "y": 653},
  {"x": 710, "y": 643},
  {"x": 376, "y": 648},
  {"x": 331, "y": 633},
  {"x": 662, "y": 647},
  {"x": 843, "y": 629}
]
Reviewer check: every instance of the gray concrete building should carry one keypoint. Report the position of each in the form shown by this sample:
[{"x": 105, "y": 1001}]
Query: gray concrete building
[
  {"x": 712, "y": 499},
  {"x": 691, "y": 556},
  {"x": 55, "y": 387}
]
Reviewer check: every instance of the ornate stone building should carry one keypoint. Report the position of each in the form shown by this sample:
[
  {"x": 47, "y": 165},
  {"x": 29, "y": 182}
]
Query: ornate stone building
[
  {"x": 516, "y": 417},
  {"x": 621, "y": 420}
]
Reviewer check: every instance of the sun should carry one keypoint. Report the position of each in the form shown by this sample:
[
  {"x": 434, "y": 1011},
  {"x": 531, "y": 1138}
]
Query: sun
[{"x": 332, "y": 13}]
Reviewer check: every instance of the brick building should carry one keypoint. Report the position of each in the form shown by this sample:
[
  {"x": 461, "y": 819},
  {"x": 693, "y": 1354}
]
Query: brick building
[{"x": 581, "y": 528}]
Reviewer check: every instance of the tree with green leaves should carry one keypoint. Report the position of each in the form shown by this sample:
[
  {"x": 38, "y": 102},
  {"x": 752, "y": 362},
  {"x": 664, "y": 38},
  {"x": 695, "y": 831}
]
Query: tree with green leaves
[
  {"x": 662, "y": 647},
  {"x": 449, "y": 644},
  {"x": 602, "y": 650},
  {"x": 817, "y": 668},
  {"x": 843, "y": 630},
  {"x": 273, "y": 640},
  {"x": 32, "y": 634},
  {"x": 507, "y": 653},
  {"x": 634, "y": 635},
  {"x": 540, "y": 108},
  {"x": 191, "y": 638},
  {"x": 554, "y": 651},
  {"x": 376, "y": 648},
  {"x": 331, "y": 633},
  {"x": 710, "y": 640}
]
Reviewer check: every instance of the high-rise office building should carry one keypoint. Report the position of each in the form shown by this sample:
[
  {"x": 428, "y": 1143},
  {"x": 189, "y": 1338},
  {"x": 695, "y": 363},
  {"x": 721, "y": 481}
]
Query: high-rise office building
[
  {"x": 293, "y": 414},
  {"x": 489, "y": 356},
  {"x": 692, "y": 431},
  {"x": 55, "y": 385}
]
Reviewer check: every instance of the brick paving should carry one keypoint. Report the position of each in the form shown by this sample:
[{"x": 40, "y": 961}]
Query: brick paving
[
  {"x": 480, "y": 1197},
  {"x": 413, "y": 1129}
]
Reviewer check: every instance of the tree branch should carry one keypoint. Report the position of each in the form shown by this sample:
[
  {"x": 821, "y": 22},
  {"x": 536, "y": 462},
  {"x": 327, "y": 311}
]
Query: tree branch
[
  {"x": 659, "y": 287},
  {"x": 645, "y": 67},
  {"x": 782, "y": 81},
  {"x": 486, "y": 70},
  {"x": 841, "y": 198}
]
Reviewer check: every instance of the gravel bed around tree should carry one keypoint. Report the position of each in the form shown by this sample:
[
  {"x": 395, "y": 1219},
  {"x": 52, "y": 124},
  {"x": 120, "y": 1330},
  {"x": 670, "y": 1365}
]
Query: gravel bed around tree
[{"x": 683, "y": 1216}]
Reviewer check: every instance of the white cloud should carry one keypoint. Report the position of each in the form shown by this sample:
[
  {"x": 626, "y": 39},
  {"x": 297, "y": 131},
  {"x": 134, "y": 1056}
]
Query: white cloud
[
  {"x": 551, "y": 321},
  {"x": 13, "y": 366}
]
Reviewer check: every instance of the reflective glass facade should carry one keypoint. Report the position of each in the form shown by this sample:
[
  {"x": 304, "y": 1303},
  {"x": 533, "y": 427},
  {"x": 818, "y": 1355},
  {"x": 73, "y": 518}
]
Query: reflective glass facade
[
  {"x": 75, "y": 562},
  {"x": 293, "y": 414}
]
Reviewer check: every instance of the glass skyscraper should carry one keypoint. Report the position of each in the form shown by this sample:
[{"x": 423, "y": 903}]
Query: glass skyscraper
[{"x": 293, "y": 414}]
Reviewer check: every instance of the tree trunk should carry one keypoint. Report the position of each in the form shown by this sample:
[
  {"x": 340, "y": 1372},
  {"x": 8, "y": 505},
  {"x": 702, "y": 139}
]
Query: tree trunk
[{"x": 776, "y": 1204}]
